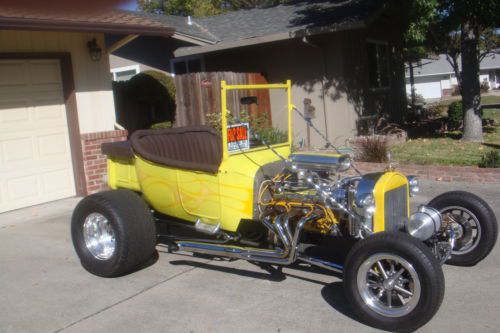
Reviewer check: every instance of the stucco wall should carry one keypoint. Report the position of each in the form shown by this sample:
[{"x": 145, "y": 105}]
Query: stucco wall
[
  {"x": 94, "y": 95},
  {"x": 338, "y": 66}
]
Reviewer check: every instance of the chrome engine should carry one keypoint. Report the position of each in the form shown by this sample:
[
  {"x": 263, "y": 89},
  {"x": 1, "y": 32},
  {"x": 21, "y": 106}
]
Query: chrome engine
[{"x": 311, "y": 185}]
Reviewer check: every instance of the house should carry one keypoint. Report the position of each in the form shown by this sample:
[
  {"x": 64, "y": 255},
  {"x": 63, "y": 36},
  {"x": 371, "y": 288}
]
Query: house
[
  {"x": 344, "y": 56},
  {"x": 56, "y": 100},
  {"x": 435, "y": 78}
]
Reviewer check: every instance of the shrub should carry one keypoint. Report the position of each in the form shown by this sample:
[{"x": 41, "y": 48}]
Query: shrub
[
  {"x": 147, "y": 98},
  {"x": 166, "y": 80},
  {"x": 485, "y": 86},
  {"x": 162, "y": 125},
  {"x": 435, "y": 110},
  {"x": 490, "y": 159},
  {"x": 373, "y": 149},
  {"x": 455, "y": 112}
]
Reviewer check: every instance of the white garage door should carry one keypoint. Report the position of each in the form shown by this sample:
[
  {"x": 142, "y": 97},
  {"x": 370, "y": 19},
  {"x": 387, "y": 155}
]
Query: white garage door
[{"x": 35, "y": 155}]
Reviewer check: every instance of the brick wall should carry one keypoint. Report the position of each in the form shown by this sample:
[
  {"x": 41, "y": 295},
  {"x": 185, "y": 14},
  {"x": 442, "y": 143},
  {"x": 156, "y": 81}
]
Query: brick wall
[
  {"x": 467, "y": 174},
  {"x": 94, "y": 162}
]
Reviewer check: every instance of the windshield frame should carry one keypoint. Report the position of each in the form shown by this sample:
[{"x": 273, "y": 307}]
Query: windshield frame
[{"x": 224, "y": 90}]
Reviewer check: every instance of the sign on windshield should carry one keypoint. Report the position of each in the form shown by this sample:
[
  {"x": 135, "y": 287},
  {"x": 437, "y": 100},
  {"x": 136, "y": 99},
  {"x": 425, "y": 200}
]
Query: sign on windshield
[{"x": 238, "y": 137}]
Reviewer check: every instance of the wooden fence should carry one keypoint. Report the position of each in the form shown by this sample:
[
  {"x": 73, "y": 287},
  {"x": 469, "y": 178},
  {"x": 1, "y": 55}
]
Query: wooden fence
[{"x": 199, "y": 94}]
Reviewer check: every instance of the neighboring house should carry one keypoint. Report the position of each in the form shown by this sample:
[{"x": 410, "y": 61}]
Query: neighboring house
[
  {"x": 435, "y": 79},
  {"x": 343, "y": 56},
  {"x": 56, "y": 101}
]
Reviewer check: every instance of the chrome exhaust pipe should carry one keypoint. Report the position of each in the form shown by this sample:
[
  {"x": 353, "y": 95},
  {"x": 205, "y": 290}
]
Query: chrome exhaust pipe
[
  {"x": 321, "y": 263},
  {"x": 277, "y": 256}
]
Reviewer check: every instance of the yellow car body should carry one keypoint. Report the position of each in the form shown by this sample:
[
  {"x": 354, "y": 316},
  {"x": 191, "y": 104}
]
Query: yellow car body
[{"x": 228, "y": 196}]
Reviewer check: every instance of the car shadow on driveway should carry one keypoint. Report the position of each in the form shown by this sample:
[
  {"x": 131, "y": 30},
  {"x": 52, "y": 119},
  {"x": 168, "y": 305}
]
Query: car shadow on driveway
[{"x": 334, "y": 295}]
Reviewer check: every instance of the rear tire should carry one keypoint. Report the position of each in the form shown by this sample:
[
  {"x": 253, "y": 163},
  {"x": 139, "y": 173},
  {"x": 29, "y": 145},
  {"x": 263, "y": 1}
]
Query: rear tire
[
  {"x": 477, "y": 227},
  {"x": 113, "y": 232},
  {"x": 382, "y": 271}
]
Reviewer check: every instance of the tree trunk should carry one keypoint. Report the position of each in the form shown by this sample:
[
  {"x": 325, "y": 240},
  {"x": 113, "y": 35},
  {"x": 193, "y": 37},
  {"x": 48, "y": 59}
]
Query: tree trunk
[
  {"x": 412, "y": 84},
  {"x": 471, "y": 90}
]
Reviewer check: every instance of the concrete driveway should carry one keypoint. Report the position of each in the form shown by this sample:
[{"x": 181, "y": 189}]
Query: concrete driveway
[{"x": 44, "y": 289}]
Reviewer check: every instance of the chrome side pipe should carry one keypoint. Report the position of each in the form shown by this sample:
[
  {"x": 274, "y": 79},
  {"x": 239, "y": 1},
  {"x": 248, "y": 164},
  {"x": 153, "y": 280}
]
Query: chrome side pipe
[{"x": 277, "y": 256}]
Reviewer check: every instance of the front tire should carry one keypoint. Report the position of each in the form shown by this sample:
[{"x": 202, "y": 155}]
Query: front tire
[
  {"x": 474, "y": 224},
  {"x": 393, "y": 282},
  {"x": 113, "y": 232}
]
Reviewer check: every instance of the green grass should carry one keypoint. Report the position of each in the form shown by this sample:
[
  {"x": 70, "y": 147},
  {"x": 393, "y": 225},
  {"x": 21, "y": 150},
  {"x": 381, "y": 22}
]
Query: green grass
[
  {"x": 490, "y": 99},
  {"x": 448, "y": 149}
]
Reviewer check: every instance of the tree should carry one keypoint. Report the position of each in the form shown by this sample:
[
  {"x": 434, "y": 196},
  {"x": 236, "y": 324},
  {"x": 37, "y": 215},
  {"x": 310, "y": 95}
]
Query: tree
[
  {"x": 467, "y": 29},
  {"x": 200, "y": 8}
]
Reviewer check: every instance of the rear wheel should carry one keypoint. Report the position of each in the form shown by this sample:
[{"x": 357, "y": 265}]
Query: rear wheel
[
  {"x": 473, "y": 222},
  {"x": 393, "y": 282},
  {"x": 113, "y": 232}
]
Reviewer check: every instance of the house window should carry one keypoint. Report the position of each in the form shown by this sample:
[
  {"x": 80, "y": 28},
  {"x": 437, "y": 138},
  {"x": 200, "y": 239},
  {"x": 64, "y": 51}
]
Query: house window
[
  {"x": 186, "y": 65},
  {"x": 124, "y": 73},
  {"x": 378, "y": 64}
]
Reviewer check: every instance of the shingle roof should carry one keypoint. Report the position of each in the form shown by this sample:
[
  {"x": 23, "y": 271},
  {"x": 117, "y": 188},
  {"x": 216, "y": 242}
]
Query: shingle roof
[
  {"x": 442, "y": 66},
  {"x": 110, "y": 20},
  {"x": 291, "y": 17}
]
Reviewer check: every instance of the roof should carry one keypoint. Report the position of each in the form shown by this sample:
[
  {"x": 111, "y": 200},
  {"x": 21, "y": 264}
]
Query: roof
[
  {"x": 290, "y": 20},
  {"x": 441, "y": 66},
  {"x": 107, "y": 21}
]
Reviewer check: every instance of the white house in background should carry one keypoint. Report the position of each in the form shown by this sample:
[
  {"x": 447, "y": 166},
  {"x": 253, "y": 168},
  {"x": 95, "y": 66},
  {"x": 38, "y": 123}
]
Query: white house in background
[{"x": 435, "y": 79}]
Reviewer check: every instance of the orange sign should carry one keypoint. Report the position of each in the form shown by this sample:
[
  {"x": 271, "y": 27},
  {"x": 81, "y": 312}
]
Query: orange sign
[{"x": 238, "y": 137}]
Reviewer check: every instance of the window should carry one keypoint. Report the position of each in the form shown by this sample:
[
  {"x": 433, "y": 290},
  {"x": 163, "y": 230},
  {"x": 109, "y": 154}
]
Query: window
[
  {"x": 186, "y": 65},
  {"x": 124, "y": 73},
  {"x": 378, "y": 64}
]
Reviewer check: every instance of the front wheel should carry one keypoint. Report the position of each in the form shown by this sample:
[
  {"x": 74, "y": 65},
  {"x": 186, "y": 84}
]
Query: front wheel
[
  {"x": 474, "y": 224},
  {"x": 393, "y": 282}
]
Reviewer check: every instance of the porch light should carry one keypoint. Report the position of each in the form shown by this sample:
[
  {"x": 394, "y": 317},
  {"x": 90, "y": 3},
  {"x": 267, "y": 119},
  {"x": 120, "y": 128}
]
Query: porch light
[{"x": 94, "y": 50}]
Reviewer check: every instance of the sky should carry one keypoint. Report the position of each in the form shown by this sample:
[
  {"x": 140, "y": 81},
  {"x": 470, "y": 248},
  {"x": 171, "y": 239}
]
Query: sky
[{"x": 129, "y": 5}]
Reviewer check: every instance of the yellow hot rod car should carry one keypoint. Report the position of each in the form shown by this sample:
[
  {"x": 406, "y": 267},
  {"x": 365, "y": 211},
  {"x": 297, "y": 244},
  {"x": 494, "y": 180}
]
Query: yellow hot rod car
[{"x": 232, "y": 192}]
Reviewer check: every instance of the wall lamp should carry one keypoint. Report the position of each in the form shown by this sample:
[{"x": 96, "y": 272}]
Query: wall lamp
[{"x": 94, "y": 50}]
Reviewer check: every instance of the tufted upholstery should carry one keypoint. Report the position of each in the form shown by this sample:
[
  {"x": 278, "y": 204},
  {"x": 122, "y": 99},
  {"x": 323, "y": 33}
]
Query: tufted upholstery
[{"x": 193, "y": 147}]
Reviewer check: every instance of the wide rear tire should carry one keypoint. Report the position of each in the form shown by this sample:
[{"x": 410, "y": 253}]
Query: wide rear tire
[
  {"x": 393, "y": 282},
  {"x": 113, "y": 232}
]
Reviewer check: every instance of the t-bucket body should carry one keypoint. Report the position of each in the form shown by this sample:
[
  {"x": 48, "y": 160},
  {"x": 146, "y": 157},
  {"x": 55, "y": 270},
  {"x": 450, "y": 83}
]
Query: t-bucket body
[{"x": 224, "y": 196}]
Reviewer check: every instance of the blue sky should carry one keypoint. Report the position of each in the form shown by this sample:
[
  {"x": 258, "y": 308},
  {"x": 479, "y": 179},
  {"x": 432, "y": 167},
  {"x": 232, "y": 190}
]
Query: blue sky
[{"x": 129, "y": 5}]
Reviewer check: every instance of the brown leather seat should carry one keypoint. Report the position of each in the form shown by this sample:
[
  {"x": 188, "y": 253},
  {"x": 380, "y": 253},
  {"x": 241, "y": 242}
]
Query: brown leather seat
[{"x": 194, "y": 147}]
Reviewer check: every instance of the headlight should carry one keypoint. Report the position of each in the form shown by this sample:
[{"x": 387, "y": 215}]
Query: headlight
[
  {"x": 424, "y": 223},
  {"x": 368, "y": 205},
  {"x": 414, "y": 187},
  {"x": 344, "y": 163}
]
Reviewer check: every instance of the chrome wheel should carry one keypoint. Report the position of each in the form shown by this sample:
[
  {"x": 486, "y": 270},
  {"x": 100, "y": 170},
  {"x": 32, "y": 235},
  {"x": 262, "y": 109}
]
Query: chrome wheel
[
  {"x": 99, "y": 236},
  {"x": 389, "y": 285},
  {"x": 466, "y": 226}
]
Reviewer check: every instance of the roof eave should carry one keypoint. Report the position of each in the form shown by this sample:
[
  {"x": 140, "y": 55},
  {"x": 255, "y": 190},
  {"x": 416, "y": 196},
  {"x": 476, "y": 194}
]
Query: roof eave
[
  {"x": 78, "y": 26},
  {"x": 193, "y": 50}
]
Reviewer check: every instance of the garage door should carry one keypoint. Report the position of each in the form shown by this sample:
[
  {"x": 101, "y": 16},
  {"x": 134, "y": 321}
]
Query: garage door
[{"x": 35, "y": 155}]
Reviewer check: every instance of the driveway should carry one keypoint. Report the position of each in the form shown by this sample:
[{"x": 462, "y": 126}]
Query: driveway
[{"x": 44, "y": 289}]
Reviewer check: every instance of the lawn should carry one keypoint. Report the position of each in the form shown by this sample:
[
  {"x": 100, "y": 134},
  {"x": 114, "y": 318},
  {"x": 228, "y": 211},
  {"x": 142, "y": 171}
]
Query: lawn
[{"x": 447, "y": 148}]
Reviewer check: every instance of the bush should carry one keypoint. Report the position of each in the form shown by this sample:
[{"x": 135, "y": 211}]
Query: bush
[
  {"x": 485, "y": 86},
  {"x": 373, "y": 149},
  {"x": 455, "y": 112},
  {"x": 490, "y": 159},
  {"x": 147, "y": 98},
  {"x": 435, "y": 110},
  {"x": 166, "y": 80}
]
